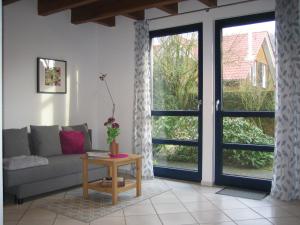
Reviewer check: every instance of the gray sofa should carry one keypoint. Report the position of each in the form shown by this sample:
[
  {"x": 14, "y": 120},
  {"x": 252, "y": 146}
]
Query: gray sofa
[{"x": 63, "y": 171}]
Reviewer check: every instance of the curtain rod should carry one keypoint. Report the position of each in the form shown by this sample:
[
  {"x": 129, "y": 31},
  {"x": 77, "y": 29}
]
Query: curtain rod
[{"x": 200, "y": 10}]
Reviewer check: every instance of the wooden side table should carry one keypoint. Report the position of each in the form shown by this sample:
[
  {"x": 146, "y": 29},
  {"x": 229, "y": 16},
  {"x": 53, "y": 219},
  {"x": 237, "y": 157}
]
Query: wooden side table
[{"x": 112, "y": 164}]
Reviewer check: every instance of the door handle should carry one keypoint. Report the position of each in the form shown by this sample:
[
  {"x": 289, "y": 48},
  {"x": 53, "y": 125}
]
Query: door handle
[
  {"x": 217, "y": 105},
  {"x": 199, "y": 104}
]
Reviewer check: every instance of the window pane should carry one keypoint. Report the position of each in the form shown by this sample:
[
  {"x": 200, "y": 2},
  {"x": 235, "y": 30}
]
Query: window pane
[
  {"x": 176, "y": 156},
  {"x": 248, "y": 163},
  {"x": 252, "y": 130},
  {"x": 248, "y": 67},
  {"x": 175, "y": 127},
  {"x": 175, "y": 72}
]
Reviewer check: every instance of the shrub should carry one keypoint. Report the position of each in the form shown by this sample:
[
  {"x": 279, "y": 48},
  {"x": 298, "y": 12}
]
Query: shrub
[
  {"x": 249, "y": 159},
  {"x": 183, "y": 154},
  {"x": 241, "y": 100},
  {"x": 173, "y": 127},
  {"x": 235, "y": 130},
  {"x": 239, "y": 130},
  {"x": 175, "y": 153},
  {"x": 245, "y": 131}
]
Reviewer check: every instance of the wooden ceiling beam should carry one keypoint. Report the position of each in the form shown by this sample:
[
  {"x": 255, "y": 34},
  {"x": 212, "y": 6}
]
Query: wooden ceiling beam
[
  {"x": 109, "y": 22},
  {"x": 210, "y": 3},
  {"x": 7, "y": 2},
  {"x": 99, "y": 10},
  {"x": 171, "y": 9},
  {"x": 47, "y": 7},
  {"x": 138, "y": 15}
]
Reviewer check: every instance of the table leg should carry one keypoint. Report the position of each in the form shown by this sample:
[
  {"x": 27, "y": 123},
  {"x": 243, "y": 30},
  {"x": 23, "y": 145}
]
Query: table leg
[
  {"x": 114, "y": 172},
  {"x": 85, "y": 178},
  {"x": 138, "y": 177}
]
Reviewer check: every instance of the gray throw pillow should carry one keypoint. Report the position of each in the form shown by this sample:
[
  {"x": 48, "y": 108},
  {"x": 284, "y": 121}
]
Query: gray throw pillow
[
  {"x": 45, "y": 140},
  {"x": 15, "y": 142},
  {"x": 85, "y": 130}
]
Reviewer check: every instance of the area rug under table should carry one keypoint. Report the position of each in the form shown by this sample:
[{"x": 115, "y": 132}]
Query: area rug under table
[{"x": 100, "y": 204}]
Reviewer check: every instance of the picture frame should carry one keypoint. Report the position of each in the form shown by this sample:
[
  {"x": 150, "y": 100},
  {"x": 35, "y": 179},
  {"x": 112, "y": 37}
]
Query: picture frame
[{"x": 51, "y": 76}]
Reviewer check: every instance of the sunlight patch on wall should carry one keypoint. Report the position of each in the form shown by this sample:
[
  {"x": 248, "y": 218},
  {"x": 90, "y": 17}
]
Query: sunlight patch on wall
[
  {"x": 77, "y": 90},
  {"x": 47, "y": 110},
  {"x": 67, "y": 101}
]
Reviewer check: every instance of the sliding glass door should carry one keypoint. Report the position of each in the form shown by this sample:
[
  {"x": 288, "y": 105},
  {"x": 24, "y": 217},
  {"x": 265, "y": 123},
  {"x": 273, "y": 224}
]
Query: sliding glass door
[
  {"x": 176, "y": 101},
  {"x": 245, "y": 101}
]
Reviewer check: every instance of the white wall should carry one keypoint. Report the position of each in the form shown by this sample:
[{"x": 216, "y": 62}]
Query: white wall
[
  {"x": 28, "y": 36},
  {"x": 118, "y": 61}
]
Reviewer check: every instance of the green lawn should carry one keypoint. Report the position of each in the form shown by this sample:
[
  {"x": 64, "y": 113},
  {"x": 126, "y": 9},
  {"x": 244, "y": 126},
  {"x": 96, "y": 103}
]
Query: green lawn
[{"x": 265, "y": 173}]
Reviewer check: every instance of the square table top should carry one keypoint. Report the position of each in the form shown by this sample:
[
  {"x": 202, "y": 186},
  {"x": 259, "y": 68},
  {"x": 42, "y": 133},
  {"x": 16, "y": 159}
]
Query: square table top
[{"x": 108, "y": 161}]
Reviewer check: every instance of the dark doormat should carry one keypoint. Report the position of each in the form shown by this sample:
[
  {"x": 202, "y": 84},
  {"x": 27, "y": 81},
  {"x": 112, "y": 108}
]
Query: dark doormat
[{"x": 242, "y": 193}]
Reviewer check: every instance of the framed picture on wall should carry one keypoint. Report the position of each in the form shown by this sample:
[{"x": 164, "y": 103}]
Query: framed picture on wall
[{"x": 51, "y": 76}]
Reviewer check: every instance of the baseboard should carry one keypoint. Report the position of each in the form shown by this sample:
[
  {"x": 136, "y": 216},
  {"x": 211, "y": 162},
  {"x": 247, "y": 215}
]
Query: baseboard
[{"x": 207, "y": 183}]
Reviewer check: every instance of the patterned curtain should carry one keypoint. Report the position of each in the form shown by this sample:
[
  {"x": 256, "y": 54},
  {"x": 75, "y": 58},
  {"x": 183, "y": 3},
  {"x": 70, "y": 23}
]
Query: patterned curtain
[
  {"x": 142, "y": 138},
  {"x": 286, "y": 178}
]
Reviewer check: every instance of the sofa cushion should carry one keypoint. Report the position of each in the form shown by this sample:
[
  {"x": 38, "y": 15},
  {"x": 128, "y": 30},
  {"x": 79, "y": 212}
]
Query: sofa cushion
[
  {"x": 45, "y": 140},
  {"x": 15, "y": 142},
  {"x": 61, "y": 165},
  {"x": 83, "y": 128},
  {"x": 72, "y": 142}
]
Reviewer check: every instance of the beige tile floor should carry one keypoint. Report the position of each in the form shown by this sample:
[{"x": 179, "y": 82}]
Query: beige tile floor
[{"x": 185, "y": 203}]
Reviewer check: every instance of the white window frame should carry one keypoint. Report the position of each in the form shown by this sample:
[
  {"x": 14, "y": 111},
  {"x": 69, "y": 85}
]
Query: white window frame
[
  {"x": 264, "y": 76},
  {"x": 254, "y": 69}
]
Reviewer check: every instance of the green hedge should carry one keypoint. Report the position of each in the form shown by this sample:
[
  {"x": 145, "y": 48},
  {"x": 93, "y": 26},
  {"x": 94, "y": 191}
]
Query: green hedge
[
  {"x": 247, "y": 159},
  {"x": 232, "y": 100},
  {"x": 241, "y": 130},
  {"x": 238, "y": 130}
]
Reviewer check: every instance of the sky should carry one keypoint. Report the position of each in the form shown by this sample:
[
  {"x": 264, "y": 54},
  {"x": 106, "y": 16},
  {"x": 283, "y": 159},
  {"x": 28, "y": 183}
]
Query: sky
[{"x": 266, "y": 26}]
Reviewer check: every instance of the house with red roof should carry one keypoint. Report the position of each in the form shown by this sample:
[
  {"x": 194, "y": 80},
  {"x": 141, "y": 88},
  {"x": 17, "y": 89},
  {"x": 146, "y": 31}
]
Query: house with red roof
[{"x": 248, "y": 56}]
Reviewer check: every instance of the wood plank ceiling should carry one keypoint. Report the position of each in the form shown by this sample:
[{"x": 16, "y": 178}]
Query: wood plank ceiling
[{"x": 105, "y": 11}]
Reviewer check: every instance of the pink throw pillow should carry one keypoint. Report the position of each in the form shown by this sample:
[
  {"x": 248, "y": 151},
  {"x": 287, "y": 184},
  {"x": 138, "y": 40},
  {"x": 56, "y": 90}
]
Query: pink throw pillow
[{"x": 72, "y": 142}]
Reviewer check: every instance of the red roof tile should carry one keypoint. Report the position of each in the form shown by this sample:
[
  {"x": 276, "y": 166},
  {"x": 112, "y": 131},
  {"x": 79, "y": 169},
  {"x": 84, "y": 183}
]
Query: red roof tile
[{"x": 236, "y": 61}]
